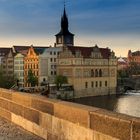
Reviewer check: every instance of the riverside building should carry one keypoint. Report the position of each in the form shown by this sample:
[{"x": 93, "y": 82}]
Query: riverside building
[{"x": 91, "y": 70}]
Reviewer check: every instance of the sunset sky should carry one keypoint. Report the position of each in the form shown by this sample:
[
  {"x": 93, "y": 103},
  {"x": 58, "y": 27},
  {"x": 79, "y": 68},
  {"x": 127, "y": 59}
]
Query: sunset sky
[{"x": 108, "y": 23}]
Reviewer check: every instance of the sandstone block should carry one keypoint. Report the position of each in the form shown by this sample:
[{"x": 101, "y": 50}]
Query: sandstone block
[
  {"x": 111, "y": 125},
  {"x": 21, "y": 99},
  {"x": 46, "y": 121},
  {"x": 44, "y": 106},
  {"x": 31, "y": 115},
  {"x": 52, "y": 137},
  {"x": 16, "y": 109},
  {"x": 136, "y": 129},
  {"x": 4, "y": 103},
  {"x": 5, "y": 114},
  {"x": 75, "y": 113},
  {"x": 7, "y": 94}
]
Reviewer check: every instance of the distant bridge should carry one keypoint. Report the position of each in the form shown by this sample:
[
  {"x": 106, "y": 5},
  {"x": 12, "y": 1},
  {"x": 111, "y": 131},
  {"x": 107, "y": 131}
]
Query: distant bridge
[{"x": 129, "y": 83}]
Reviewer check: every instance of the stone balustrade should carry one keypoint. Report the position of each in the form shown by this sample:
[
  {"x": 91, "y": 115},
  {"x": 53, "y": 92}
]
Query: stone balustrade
[{"x": 59, "y": 120}]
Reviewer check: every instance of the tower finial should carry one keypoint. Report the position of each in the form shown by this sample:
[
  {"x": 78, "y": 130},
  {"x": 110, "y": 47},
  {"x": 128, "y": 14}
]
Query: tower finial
[{"x": 64, "y": 3}]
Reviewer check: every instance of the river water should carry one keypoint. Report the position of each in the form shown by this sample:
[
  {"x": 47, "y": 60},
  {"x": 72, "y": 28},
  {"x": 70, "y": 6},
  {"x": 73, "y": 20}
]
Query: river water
[{"x": 128, "y": 103}]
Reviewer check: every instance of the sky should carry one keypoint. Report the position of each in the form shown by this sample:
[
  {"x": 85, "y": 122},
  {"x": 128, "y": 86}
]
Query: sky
[{"x": 107, "y": 23}]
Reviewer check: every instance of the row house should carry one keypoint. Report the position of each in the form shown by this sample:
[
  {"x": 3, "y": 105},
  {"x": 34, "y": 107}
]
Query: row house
[
  {"x": 48, "y": 64},
  {"x": 31, "y": 62},
  {"x": 19, "y": 68},
  {"x": 30, "y": 57},
  {"x": 41, "y": 60},
  {"x": 3, "y": 53},
  {"x": 7, "y": 64}
]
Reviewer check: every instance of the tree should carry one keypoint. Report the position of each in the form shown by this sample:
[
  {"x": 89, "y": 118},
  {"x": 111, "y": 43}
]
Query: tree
[
  {"x": 134, "y": 68},
  {"x": 59, "y": 80},
  {"x": 6, "y": 81},
  {"x": 32, "y": 79}
]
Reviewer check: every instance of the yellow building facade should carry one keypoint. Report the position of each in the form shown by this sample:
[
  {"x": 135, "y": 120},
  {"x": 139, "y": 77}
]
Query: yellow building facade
[
  {"x": 91, "y": 70},
  {"x": 31, "y": 62}
]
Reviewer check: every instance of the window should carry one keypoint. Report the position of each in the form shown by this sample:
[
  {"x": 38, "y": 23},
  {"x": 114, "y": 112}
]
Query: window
[
  {"x": 92, "y": 73},
  {"x": 50, "y": 53},
  {"x": 21, "y": 67},
  {"x": 96, "y": 83},
  {"x": 92, "y": 84},
  {"x": 100, "y": 73},
  {"x": 21, "y": 62},
  {"x": 86, "y": 84},
  {"x": 100, "y": 83},
  {"x": 10, "y": 67},
  {"x": 10, "y": 61},
  {"x": 51, "y": 72},
  {"x": 54, "y": 53},
  {"x": 105, "y": 83},
  {"x": 36, "y": 66},
  {"x": 51, "y": 59},
  {"x": 54, "y": 72},
  {"x": 54, "y": 59},
  {"x": 96, "y": 73},
  {"x": 57, "y": 53}
]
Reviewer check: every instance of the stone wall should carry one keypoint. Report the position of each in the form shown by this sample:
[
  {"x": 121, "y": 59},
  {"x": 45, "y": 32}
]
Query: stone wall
[
  {"x": 94, "y": 92},
  {"x": 58, "y": 120}
]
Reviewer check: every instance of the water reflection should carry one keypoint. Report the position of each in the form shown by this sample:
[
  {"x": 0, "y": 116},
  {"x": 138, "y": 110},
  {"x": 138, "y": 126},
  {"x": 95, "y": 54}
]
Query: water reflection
[
  {"x": 129, "y": 105},
  {"x": 126, "y": 104}
]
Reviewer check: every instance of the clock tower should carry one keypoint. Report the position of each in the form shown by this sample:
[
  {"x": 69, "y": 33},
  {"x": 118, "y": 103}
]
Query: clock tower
[{"x": 64, "y": 37}]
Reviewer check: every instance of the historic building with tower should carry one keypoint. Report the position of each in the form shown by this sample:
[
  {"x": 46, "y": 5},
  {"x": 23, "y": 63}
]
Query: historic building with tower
[
  {"x": 64, "y": 37},
  {"x": 91, "y": 70}
]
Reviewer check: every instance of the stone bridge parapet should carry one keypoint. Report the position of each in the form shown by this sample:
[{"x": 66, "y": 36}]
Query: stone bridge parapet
[{"x": 59, "y": 120}]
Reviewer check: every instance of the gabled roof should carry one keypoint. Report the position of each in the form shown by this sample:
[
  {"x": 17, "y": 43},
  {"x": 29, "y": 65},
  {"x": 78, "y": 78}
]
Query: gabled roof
[
  {"x": 4, "y": 51},
  {"x": 86, "y": 51},
  {"x": 137, "y": 53},
  {"x": 24, "y": 49}
]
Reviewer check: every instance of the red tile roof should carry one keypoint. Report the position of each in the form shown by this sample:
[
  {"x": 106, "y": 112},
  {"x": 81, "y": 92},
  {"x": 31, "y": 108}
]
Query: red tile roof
[
  {"x": 86, "y": 51},
  {"x": 22, "y": 48},
  {"x": 4, "y": 51}
]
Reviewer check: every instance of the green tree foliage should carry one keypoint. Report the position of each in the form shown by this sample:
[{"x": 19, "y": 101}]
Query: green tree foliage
[
  {"x": 32, "y": 79},
  {"x": 134, "y": 68},
  {"x": 6, "y": 81},
  {"x": 123, "y": 73},
  {"x": 60, "y": 79}
]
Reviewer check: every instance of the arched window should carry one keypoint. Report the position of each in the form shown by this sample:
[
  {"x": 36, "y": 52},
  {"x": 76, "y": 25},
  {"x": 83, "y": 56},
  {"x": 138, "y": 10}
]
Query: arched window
[
  {"x": 100, "y": 73},
  {"x": 96, "y": 73},
  {"x": 92, "y": 73}
]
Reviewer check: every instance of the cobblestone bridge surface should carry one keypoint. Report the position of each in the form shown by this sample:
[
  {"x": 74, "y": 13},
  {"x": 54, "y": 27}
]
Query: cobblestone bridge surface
[{"x": 10, "y": 131}]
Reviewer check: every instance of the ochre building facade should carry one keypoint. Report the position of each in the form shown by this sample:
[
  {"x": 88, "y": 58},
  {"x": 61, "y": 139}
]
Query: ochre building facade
[
  {"x": 91, "y": 70},
  {"x": 31, "y": 62}
]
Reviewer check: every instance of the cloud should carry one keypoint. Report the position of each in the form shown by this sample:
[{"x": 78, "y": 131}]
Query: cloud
[{"x": 107, "y": 22}]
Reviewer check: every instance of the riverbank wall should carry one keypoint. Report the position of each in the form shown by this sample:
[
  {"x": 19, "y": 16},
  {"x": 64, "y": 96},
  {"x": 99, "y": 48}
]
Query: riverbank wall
[{"x": 59, "y": 120}]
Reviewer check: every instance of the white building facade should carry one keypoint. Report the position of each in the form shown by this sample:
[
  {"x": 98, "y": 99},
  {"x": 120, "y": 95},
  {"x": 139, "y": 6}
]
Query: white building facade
[
  {"x": 19, "y": 68},
  {"x": 48, "y": 64}
]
